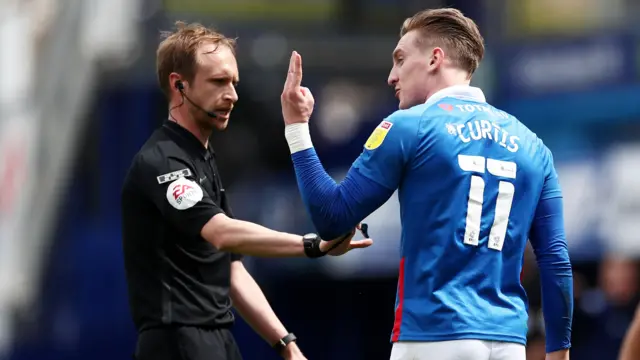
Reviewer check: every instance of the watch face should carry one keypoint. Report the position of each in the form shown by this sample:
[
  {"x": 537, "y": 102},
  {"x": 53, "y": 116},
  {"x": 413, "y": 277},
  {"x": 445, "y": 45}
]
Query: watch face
[{"x": 310, "y": 236}]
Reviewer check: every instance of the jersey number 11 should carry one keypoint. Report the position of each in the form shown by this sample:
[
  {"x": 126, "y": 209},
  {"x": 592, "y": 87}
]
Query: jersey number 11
[{"x": 506, "y": 190}]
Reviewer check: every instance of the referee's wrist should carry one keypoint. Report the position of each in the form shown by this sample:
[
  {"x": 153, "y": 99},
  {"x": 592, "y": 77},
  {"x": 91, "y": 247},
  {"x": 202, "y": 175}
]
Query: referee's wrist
[
  {"x": 313, "y": 246},
  {"x": 290, "y": 350},
  {"x": 286, "y": 344},
  {"x": 298, "y": 137}
]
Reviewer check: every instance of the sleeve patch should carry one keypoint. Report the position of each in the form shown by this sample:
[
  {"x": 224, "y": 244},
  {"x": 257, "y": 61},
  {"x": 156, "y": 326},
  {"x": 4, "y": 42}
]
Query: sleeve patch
[
  {"x": 377, "y": 136},
  {"x": 183, "y": 193},
  {"x": 173, "y": 176}
]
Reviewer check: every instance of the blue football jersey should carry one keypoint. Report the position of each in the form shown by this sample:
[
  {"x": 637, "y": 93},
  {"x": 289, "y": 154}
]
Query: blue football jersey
[{"x": 469, "y": 178}]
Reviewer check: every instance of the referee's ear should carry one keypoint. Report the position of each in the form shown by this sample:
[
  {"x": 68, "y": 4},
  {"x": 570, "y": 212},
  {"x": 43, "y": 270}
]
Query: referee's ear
[{"x": 176, "y": 84}]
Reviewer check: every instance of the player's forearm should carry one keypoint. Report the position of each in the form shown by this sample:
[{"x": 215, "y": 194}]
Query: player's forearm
[
  {"x": 334, "y": 208},
  {"x": 328, "y": 208},
  {"x": 247, "y": 238},
  {"x": 630, "y": 349},
  {"x": 320, "y": 193},
  {"x": 557, "y": 304},
  {"x": 556, "y": 277}
]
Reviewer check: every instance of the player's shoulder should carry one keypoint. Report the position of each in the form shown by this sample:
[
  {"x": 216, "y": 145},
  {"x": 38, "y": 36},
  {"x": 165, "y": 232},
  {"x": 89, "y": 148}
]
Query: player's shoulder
[
  {"x": 526, "y": 134},
  {"x": 536, "y": 145},
  {"x": 544, "y": 152},
  {"x": 428, "y": 109},
  {"x": 407, "y": 117},
  {"x": 408, "y": 120},
  {"x": 400, "y": 123},
  {"x": 401, "y": 126}
]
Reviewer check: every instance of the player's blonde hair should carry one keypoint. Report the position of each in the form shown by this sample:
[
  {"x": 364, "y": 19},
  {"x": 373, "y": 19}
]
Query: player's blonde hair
[
  {"x": 451, "y": 30},
  {"x": 178, "y": 51}
]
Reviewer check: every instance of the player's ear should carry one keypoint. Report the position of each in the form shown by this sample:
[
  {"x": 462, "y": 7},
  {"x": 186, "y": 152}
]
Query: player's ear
[{"x": 436, "y": 58}]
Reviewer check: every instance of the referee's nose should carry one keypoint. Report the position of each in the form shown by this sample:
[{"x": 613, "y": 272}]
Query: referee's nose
[{"x": 231, "y": 95}]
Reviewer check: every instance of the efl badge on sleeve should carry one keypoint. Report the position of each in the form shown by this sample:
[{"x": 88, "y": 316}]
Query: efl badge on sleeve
[
  {"x": 377, "y": 136},
  {"x": 173, "y": 176}
]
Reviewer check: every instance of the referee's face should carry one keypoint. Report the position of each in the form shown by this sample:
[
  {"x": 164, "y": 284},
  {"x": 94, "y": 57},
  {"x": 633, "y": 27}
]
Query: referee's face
[{"x": 214, "y": 86}]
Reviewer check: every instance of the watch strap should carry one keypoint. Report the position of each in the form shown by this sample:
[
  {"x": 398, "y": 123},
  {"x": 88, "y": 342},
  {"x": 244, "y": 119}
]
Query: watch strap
[
  {"x": 282, "y": 343},
  {"x": 311, "y": 244}
]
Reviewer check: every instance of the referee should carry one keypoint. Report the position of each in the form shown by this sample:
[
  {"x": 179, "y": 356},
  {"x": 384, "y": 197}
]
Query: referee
[{"x": 182, "y": 247}]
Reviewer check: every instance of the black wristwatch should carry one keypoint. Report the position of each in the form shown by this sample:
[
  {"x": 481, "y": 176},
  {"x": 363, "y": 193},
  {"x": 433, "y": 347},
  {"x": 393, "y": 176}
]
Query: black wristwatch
[
  {"x": 282, "y": 343},
  {"x": 311, "y": 244}
]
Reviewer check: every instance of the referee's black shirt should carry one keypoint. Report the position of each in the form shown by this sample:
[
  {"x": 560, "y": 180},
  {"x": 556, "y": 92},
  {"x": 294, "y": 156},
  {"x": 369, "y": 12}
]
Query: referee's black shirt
[{"x": 174, "y": 276}]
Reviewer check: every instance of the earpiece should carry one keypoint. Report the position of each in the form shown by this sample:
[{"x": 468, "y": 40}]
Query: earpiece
[{"x": 180, "y": 86}]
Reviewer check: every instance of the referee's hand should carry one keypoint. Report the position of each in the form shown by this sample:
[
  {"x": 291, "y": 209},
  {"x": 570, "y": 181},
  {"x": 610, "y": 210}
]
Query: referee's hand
[{"x": 344, "y": 244}]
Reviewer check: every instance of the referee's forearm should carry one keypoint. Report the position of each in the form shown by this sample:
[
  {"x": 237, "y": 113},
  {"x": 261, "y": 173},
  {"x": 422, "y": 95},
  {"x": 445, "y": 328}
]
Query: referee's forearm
[
  {"x": 250, "y": 302},
  {"x": 247, "y": 238}
]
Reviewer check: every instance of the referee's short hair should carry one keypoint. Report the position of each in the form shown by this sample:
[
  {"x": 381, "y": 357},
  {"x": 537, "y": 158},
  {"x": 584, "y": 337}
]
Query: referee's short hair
[
  {"x": 449, "y": 29},
  {"x": 178, "y": 51}
]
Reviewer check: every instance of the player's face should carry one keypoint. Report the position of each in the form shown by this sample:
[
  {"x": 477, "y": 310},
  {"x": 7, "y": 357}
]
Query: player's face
[
  {"x": 413, "y": 70},
  {"x": 214, "y": 86}
]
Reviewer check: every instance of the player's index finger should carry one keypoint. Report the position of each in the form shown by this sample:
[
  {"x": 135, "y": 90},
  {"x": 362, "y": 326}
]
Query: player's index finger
[
  {"x": 295, "y": 69},
  {"x": 290, "y": 71}
]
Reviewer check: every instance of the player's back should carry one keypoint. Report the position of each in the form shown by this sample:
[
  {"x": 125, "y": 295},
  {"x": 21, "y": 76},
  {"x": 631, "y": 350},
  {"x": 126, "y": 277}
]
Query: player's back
[{"x": 467, "y": 198}]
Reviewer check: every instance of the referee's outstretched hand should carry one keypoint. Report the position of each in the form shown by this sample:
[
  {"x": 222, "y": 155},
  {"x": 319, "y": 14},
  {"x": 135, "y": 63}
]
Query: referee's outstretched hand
[
  {"x": 297, "y": 101},
  {"x": 345, "y": 243}
]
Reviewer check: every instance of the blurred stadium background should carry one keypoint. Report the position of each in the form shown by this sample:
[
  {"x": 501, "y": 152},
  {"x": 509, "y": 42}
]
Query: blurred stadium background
[{"x": 78, "y": 96}]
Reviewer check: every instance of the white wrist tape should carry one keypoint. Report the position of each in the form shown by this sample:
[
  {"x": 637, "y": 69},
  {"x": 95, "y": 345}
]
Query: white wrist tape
[{"x": 298, "y": 137}]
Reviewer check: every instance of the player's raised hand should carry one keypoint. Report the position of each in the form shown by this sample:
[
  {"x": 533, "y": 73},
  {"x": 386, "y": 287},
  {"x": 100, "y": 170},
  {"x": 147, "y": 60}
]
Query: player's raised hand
[
  {"x": 297, "y": 101},
  {"x": 344, "y": 244}
]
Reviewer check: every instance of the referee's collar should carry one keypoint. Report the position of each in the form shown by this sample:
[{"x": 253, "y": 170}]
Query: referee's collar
[
  {"x": 186, "y": 139},
  {"x": 462, "y": 92}
]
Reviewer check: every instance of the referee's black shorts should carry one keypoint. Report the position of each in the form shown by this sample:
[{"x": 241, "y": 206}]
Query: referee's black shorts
[{"x": 187, "y": 343}]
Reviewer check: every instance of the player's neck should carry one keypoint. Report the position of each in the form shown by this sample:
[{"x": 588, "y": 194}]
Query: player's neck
[
  {"x": 191, "y": 125},
  {"x": 459, "y": 80}
]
